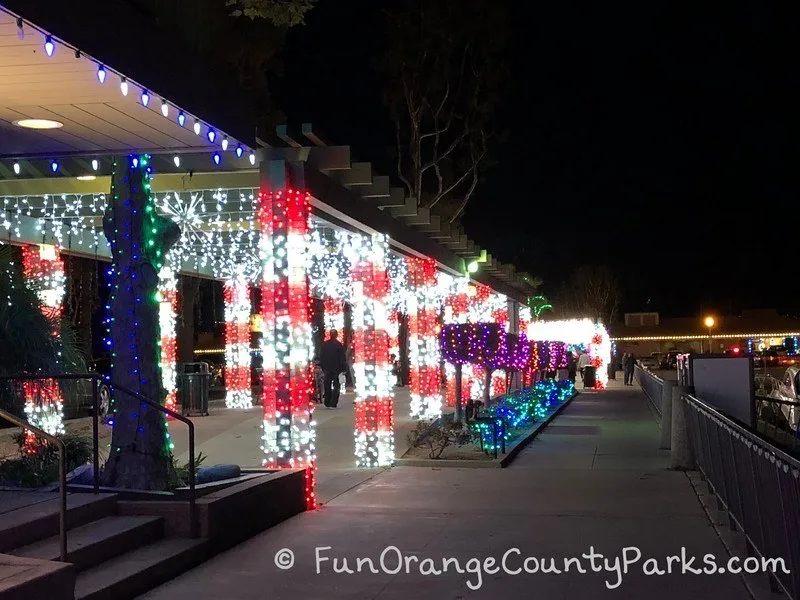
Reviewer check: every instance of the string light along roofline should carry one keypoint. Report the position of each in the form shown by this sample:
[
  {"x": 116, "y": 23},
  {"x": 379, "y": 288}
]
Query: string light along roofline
[{"x": 52, "y": 44}]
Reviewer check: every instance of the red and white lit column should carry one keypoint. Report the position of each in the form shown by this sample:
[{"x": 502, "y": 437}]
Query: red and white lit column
[
  {"x": 374, "y": 413},
  {"x": 499, "y": 315},
  {"x": 238, "y": 382},
  {"x": 168, "y": 322},
  {"x": 456, "y": 310},
  {"x": 334, "y": 316},
  {"x": 289, "y": 430},
  {"x": 44, "y": 273},
  {"x": 424, "y": 355}
]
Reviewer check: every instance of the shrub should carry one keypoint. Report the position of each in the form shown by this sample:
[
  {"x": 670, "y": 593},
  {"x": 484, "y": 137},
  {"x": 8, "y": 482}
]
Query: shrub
[
  {"x": 437, "y": 436},
  {"x": 41, "y": 467}
]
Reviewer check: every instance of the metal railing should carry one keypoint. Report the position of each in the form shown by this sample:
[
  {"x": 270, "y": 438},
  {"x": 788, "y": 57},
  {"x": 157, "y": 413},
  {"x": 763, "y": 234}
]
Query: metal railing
[
  {"x": 775, "y": 426},
  {"x": 62, "y": 477},
  {"x": 96, "y": 380},
  {"x": 651, "y": 385},
  {"x": 756, "y": 483}
]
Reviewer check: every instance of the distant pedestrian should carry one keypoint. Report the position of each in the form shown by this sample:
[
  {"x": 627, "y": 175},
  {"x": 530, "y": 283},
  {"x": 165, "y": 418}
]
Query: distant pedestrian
[
  {"x": 349, "y": 375},
  {"x": 628, "y": 367},
  {"x": 572, "y": 367},
  {"x": 583, "y": 362},
  {"x": 333, "y": 361}
]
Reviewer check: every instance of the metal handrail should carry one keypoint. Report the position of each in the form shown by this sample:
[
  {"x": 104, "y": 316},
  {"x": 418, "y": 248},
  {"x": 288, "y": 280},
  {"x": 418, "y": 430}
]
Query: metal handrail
[
  {"x": 96, "y": 435},
  {"x": 95, "y": 378},
  {"x": 62, "y": 477},
  {"x": 190, "y": 425}
]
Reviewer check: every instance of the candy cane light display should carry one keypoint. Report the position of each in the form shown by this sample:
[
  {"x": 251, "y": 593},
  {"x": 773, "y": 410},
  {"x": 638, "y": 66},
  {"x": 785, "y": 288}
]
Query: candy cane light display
[
  {"x": 167, "y": 321},
  {"x": 334, "y": 316},
  {"x": 289, "y": 432},
  {"x": 43, "y": 270},
  {"x": 374, "y": 428},
  {"x": 238, "y": 382},
  {"x": 580, "y": 332},
  {"x": 455, "y": 292},
  {"x": 423, "y": 341}
]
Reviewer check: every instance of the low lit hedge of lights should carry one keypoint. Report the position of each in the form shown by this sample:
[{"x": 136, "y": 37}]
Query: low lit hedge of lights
[{"x": 521, "y": 409}]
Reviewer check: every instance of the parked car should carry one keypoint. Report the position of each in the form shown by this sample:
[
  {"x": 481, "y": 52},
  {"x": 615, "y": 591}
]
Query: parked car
[
  {"x": 767, "y": 358},
  {"x": 648, "y": 362},
  {"x": 786, "y": 412},
  {"x": 82, "y": 403}
]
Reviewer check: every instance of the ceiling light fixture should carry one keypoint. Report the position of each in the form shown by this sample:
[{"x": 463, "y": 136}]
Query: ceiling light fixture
[
  {"x": 16, "y": 169},
  {"x": 86, "y": 177},
  {"x": 38, "y": 124}
]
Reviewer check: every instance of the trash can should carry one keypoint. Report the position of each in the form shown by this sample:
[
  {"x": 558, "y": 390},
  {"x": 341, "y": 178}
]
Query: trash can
[
  {"x": 612, "y": 372},
  {"x": 589, "y": 376},
  {"x": 193, "y": 383}
]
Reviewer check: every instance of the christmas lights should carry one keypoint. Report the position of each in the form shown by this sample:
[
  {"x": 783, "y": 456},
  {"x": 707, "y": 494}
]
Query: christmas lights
[
  {"x": 424, "y": 357},
  {"x": 167, "y": 321},
  {"x": 238, "y": 392},
  {"x": 334, "y": 316},
  {"x": 43, "y": 271},
  {"x": 289, "y": 434},
  {"x": 578, "y": 332},
  {"x": 374, "y": 428}
]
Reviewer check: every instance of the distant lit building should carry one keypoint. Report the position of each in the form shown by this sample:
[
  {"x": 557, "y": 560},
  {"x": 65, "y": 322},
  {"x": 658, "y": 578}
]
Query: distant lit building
[{"x": 753, "y": 331}]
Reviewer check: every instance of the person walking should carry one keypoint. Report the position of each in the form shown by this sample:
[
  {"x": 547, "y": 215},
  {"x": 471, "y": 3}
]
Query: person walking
[
  {"x": 572, "y": 367},
  {"x": 333, "y": 361},
  {"x": 629, "y": 367},
  {"x": 583, "y": 362}
]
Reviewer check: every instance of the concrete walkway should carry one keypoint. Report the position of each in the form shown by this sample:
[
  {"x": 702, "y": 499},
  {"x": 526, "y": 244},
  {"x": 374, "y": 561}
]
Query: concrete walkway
[
  {"x": 593, "y": 479},
  {"x": 232, "y": 436}
]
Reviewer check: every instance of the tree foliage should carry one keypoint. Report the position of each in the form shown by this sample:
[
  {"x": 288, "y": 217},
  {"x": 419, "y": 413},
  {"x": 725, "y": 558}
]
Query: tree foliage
[
  {"x": 592, "y": 291},
  {"x": 281, "y": 13},
  {"x": 27, "y": 343},
  {"x": 443, "y": 68}
]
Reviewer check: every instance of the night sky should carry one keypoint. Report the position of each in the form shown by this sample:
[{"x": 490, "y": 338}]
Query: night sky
[{"x": 657, "y": 141}]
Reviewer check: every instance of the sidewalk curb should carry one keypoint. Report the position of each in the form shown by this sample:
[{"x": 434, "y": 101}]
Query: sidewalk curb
[{"x": 497, "y": 463}]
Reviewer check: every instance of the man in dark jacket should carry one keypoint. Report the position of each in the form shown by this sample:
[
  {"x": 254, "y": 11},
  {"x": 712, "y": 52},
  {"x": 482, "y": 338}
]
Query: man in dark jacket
[{"x": 333, "y": 362}]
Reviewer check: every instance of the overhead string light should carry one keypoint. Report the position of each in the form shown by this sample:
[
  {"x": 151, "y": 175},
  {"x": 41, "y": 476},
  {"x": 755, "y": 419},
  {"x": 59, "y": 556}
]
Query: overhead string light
[
  {"x": 145, "y": 98},
  {"x": 49, "y": 46},
  {"x": 181, "y": 119},
  {"x": 164, "y": 108},
  {"x": 16, "y": 169},
  {"x": 101, "y": 74},
  {"x": 197, "y": 127},
  {"x": 123, "y": 86}
]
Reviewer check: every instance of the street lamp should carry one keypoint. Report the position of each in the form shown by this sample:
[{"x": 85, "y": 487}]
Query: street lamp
[{"x": 709, "y": 322}]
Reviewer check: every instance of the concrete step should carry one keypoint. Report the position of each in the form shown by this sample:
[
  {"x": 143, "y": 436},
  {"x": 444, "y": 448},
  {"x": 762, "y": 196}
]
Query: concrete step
[
  {"x": 98, "y": 541},
  {"x": 134, "y": 573},
  {"x": 37, "y": 522}
]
